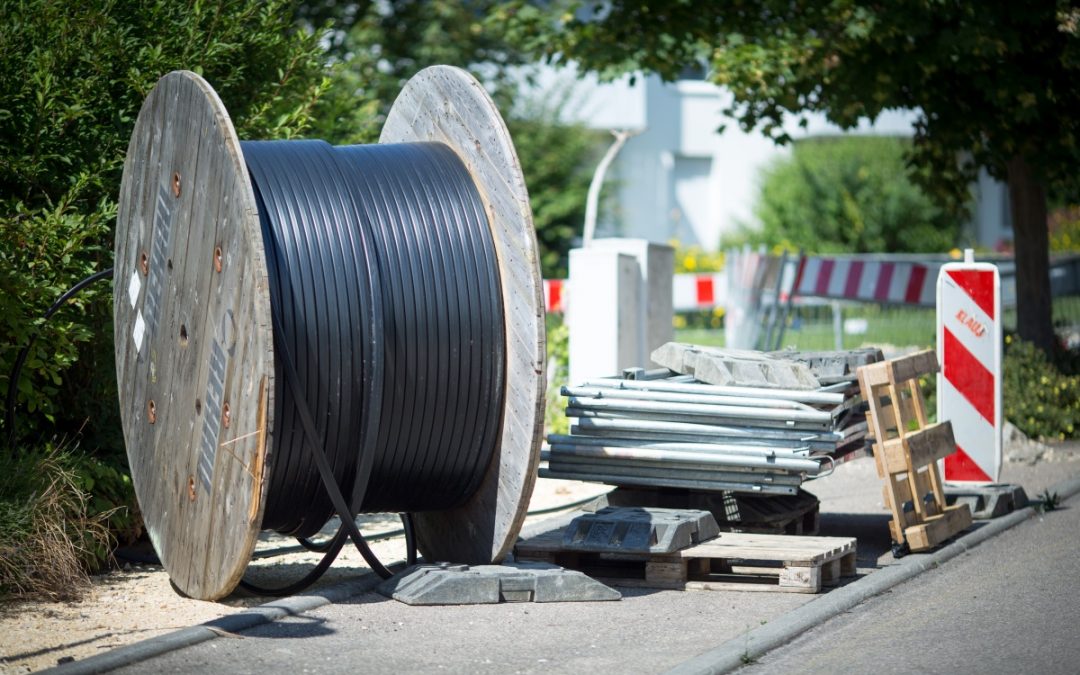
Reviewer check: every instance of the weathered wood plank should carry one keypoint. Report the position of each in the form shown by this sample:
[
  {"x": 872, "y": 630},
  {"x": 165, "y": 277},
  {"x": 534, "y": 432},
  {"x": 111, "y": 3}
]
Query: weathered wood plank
[
  {"x": 939, "y": 528},
  {"x": 912, "y": 366},
  {"x": 204, "y": 336}
]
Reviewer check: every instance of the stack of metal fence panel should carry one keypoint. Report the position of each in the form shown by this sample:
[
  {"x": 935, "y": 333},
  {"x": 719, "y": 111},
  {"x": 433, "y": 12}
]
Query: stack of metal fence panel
[{"x": 666, "y": 429}]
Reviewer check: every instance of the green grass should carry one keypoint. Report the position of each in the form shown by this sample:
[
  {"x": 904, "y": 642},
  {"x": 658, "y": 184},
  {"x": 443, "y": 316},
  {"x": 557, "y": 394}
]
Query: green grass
[{"x": 812, "y": 328}]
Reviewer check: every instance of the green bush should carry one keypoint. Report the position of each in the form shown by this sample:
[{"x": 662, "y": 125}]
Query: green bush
[
  {"x": 1040, "y": 399},
  {"x": 557, "y": 159},
  {"x": 849, "y": 195},
  {"x": 1065, "y": 229},
  {"x": 558, "y": 364},
  {"x": 72, "y": 79},
  {"x": 73, "y": 76}
]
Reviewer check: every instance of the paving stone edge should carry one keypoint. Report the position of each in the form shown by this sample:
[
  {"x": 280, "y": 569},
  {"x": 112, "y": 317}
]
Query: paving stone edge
[{"x": 751, "y": 645}]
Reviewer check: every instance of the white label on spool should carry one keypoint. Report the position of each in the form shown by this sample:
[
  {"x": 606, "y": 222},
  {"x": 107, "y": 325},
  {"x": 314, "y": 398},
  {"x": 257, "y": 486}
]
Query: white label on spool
[
  {"x": 133, "y": 288},
  {"x": 140, "y": 330}
]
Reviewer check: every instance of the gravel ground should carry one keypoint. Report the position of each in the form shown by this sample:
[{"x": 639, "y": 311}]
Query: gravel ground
[{"x": 137, "y": 602}]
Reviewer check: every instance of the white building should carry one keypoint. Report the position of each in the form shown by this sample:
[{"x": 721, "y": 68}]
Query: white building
[{"x": 682, "y": 179}]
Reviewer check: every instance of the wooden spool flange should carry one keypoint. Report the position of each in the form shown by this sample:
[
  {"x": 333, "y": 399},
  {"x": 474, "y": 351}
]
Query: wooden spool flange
[
  {"x": 194, "y": 345},
  {"x": 193, "y": 336},
  {"x": 447, "y": 105}
]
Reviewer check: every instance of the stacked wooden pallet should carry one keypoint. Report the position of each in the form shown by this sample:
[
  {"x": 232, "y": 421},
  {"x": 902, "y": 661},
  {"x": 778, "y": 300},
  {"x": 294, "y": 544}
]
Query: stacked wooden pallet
[{"x": 731, "y": 561}]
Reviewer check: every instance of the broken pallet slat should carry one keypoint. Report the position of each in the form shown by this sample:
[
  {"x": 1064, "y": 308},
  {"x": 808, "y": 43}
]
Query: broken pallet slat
[
  {"x": 918, "y": 448},
  {"x": 939, "y": 528}
]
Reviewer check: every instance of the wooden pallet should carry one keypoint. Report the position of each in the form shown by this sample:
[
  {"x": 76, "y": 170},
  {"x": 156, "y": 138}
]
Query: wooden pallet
[
  {"x": 731, "y": 561},
  {"x": 907, "y": 449}
]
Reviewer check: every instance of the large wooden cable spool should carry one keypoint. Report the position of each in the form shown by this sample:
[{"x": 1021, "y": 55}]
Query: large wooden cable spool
[{"x": 195, "y": 342}]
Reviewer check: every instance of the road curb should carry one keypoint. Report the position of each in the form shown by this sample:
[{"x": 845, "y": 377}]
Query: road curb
[{"x": 753, "y": 644}]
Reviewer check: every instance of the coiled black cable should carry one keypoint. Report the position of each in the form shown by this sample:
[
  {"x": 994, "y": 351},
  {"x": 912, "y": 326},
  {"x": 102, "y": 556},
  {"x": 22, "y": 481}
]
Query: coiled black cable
[{"x": 388, "y": 327}]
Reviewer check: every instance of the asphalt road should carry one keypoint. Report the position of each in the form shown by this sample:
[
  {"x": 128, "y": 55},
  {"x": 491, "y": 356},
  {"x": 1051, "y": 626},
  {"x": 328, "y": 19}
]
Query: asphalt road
[{"x": 1011, "y": 605}]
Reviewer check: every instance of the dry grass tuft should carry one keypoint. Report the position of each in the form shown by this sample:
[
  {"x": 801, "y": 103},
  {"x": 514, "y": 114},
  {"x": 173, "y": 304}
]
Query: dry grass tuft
[{"x": 47, "y": 539}]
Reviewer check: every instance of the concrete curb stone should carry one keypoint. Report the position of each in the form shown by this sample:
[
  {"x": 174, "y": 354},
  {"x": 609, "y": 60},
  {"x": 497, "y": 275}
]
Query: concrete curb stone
[{"x": 738, "y": 651}]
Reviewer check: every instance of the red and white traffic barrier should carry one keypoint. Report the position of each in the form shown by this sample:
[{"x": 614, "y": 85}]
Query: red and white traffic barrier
[
  {"x": 698, "y": 291},
  {"x": 897, "y": 282},
  {"x": 554, "y": 295},
  {"x": 969, "y": 384},
  {"x": 882, "y": 281}
]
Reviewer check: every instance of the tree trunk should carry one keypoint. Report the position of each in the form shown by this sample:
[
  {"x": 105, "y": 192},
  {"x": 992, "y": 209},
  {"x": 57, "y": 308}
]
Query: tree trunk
[{"x": 1032, "y": 245}]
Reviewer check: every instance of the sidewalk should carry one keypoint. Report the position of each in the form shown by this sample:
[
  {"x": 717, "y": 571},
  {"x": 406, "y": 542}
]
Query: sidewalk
[{"x": 648, "y": 631}]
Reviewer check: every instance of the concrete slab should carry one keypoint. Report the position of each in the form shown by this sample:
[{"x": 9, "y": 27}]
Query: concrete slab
[
  {"x": 637, "y": 529},
  {"x": 987, "y": 501},
  {"x": 446, "y": 584},
  {"x": 734, "y": 367}
]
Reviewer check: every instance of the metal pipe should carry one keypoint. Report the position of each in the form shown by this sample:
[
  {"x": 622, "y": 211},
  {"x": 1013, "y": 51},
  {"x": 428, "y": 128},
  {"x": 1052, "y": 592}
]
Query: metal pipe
[
  {"x": 616, "y": 412},
  {"x": 661, "y": 470},
  {"x": 797, "y": 448},
  {"x": 710, "y": 486},
  {"x": 808, "y": 466},
  {"x": 734, "y": 412},
  {"x": 676, "y": 397},
  {"x": 711, "y": 432},
  {"x": 677, "y": 446},
  {"x": 678, "y": 474},
  {"x": 813, "y": 396}
]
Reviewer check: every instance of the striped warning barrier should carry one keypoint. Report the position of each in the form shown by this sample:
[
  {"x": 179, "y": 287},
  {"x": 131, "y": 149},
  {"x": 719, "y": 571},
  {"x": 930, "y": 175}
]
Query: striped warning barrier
[
  {"x": 866, "y": 279},
  {"x": 698, "y": 291},
  {"x": 554, "y": 293},
  {"x": 689, "y": 292},
  {"x": 880, "y": 281},
  {"x": 969, "y": 383}
]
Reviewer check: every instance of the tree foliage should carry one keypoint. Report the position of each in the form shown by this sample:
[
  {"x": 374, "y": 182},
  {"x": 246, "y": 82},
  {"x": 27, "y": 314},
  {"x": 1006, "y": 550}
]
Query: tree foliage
[
  {"x": 557, "y": 158},
  {"x": 994, "y": 83},
  {"x": 850, "y": 195},
  {"x": 379, "y": 46},
  {"x": 72, "y": 79},
  {"x": 376, "y": 47}
]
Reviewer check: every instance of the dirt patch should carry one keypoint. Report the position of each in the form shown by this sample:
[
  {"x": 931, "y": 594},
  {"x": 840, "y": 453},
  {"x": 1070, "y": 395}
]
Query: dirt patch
[{"x": 137, "y": 602}]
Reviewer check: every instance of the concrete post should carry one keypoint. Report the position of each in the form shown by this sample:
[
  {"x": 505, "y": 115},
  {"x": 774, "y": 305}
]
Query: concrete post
[
  {"x": 656, "y": 265},
  {"x": 603, "y": 313}
]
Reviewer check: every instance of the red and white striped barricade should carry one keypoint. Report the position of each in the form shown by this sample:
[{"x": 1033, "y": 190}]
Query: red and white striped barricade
[
  {"x": 698, "y": 291},
  {"x": 894, "y": 282},
  {"x": 969, "y": 384},
  {"x": 554, "y": 295}
]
